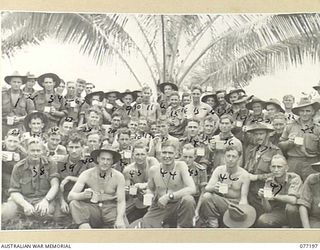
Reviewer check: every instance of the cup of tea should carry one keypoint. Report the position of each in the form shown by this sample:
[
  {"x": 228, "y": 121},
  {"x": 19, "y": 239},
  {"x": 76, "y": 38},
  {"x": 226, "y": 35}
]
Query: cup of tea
[
  {"x": 223, "y": 188},
  {"x": 10, "y": 120},
  {"x": 95, "y": 197},
  {"x": 267, "y": 192},
  {"x": 147, "y": 199}
]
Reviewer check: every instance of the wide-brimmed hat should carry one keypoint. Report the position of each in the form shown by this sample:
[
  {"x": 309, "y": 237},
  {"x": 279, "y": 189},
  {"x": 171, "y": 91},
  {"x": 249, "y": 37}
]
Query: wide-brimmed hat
[
  {"x": 207, "y": 95},
  {"x": 162, "y": 85},
  {"x": 276, "y": 103},
  {"x": 55, "y": 78},
  {"x": 30, "y": 116},
  {"x": 112, "y": 92},
  {"x": 31, "y": 76},
  {"x": 316, "y": 166},
  {"x": 304, "y": 102},
  {"x": 95, "y": 153},
  {"x": 260, "y": 126},
  {"x": 317, "y": 87},
  {"x": 253, "y": 101},
  {"x": 239, "y": 216},
  {"x": 15, "y": 74},
  {"x": 88, "y": 97},
  {"x": 244, "y": 98},
  {"x": 128, "y": 92},
  {"x": 236, "y": 90}
]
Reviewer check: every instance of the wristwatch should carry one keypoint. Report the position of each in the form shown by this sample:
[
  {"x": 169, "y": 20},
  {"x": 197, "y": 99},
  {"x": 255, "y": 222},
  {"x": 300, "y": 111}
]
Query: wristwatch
[{"x": 171, "y": 196}]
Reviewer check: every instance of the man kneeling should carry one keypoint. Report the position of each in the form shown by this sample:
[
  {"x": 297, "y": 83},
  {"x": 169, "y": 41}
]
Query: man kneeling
[{"x": 104, "y": 199}]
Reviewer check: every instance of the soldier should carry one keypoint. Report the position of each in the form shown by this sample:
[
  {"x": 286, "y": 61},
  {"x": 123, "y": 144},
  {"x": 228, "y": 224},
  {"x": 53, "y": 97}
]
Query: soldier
[
  {"x": 34, "y": 185},
  {"x": 257, "y": 160},
  {"x": 15, "y": 106},
  {"x": 155, "y": 143},
  {"x": 136, "y": 177},
  {"x": 12, "y": 152},
  {"x": 229, "y": 184},
  {"x": 172, "y": 188},
  {"x": 166, "y": 89},
  {"x": 310, "y": 199},
  {"x": 279, "y": 196},
  {"x": 300, "y": 139},
  {"x": 197, "y": 109},
  {"x": 47, "y": 101},
  {"x": 28, "y": 89},
  {"x": 103, "y": 201}
]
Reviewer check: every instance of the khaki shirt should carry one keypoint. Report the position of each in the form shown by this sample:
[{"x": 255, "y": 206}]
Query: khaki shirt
[
  {"x": 32, "y": 182},
  {"x": 40, "y": 101},
  {"x": 291, "y": 186},
  {"x": 22, "y": 107},
  {"x": 310, "y": 195},
  {"x": 311, "y": 139}
]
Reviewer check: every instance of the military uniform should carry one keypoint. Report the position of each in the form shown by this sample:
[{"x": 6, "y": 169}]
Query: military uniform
[
  {"x": 300, "y": 157},
  {"x": 22, "y": 107},
  {"x": 32, "y": 183},
  {"x": 7, "y": 167},
  {"x": 257, "y": 161},
  {"x": 310, "y": 198},
  {"x": 58, "y": 102},
  {"x": 282, "y": 214}
]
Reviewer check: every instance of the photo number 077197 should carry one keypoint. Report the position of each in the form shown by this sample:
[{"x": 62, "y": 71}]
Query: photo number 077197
[{"x": 160, "y": 121}]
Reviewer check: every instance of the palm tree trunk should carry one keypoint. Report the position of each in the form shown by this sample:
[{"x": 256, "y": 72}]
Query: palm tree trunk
[
  {"x": 163, "y": 50},
  {"x": 149, "y": 45}
]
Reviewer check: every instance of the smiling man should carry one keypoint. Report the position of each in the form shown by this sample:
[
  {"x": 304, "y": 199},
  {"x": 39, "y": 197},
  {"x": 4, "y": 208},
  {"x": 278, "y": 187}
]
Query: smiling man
[
  {"x": 103, "y": 202},
  {"x": 172, "y": 187},
  {"x": 300, "y": 139},
  {"x": 47, "y": 101},
  {"x": 34, "y": 185}
]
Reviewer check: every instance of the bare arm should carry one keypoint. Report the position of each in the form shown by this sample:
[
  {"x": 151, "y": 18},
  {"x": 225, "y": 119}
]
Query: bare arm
[
  {"x": 19, "y": 199},
  {"x": 54, "y": 189},
  {"x": 304, "y": 217},
  {"x": 190, "y": 187},
  {"x": 75, "y": 193},
  {"x": 121, "y": 201},
  {"x": 245, "y": 190},
  {"x": 286, "y": 199},
  {"x": 212, "y": 183}
]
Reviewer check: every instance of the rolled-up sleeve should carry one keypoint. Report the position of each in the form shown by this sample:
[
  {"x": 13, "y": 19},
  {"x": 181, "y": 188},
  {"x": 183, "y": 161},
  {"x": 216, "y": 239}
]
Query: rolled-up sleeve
[
  {"x": 295, "y": 186},
  {"x": 306, "y": 194},
  {"x": 15, "y": 181}
]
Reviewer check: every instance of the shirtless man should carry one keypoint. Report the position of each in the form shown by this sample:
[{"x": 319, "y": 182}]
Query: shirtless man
[
  {"x": 104, "y": 199},
  {"x": 228, "y": 184},
  {"x": 173, "y": 188},
  {"x": 136, "y": 179}
]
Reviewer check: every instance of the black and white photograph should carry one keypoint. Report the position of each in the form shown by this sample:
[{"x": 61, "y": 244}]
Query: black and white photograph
[{"x": 160, "y": 121}]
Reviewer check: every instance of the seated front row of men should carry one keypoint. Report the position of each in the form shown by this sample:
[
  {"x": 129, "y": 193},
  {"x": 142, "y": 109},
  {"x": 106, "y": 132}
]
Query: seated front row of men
[{"x": 169, "y": 193}]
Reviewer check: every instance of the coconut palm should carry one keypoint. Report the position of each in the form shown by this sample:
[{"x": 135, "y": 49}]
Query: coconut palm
[{"x": 207, "y": 49}]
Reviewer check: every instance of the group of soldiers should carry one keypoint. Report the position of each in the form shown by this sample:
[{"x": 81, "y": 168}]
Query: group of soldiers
[{"x": 197, "y": 159}]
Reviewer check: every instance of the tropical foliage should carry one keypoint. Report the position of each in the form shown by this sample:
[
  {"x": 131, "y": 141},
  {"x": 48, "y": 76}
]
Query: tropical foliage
[{"x": 215, "y": 50}]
